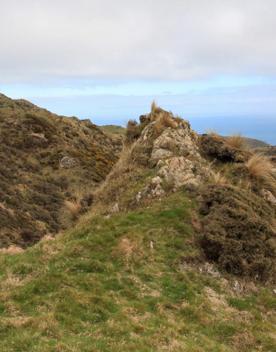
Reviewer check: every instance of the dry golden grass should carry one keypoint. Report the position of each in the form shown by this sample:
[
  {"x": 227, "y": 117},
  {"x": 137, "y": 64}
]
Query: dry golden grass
[
  {"x": 110, "y": 189},
  {"x": 219, "y": 179},
  {"x": 261, "y": 168},
  {"x": 12, "y": 250},
  {"x": 73, "y": 207},
  {"x": 164, "y": 120},
  {"x": 127, "y": 249},
  {"x": 236, "y": 141},
  {"x": 154, "y": 107}
]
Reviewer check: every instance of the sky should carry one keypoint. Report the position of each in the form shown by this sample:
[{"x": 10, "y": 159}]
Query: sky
[{"x": 211, "y": 61}]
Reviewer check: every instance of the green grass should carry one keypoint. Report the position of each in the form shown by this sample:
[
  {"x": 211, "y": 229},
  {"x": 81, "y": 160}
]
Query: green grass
[{"x": 116, "y": 285}]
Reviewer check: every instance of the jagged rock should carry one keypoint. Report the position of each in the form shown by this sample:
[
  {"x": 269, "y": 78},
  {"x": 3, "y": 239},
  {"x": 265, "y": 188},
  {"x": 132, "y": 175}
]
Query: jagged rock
[
  {"x": 153, "y": 190},
  {"x": 179, "y": 171},
  {"x": 175, "y": 142},
  {"x": 174, "y": 151},
  {"x": 160, "y": 154}
]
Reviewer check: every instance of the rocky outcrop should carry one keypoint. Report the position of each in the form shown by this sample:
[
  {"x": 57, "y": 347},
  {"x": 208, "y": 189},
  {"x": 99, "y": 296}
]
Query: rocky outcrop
[
  {"x": 179, "y": 171},
  {"x": 171, "y": 147}
]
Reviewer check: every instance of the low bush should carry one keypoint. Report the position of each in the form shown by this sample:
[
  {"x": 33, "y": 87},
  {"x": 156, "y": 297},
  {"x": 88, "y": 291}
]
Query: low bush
[{"x": 237, "y": 231}]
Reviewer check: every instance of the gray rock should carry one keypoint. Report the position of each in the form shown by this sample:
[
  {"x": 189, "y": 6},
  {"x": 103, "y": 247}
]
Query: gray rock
[{"x": 67, "y": 163}]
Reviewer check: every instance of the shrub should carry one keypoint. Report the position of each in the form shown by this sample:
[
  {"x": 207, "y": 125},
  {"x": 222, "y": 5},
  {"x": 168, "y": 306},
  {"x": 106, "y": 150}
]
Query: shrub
[
  {"x": 216, "y": 147},
  {"x": 133, "y": 130},
  {"x": 237, "y": 231}
]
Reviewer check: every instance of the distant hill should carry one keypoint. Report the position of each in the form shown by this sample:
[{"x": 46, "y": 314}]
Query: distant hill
[
  {"x": 48, "y": 164},
  {"x": 113, "y": 130},
  {"x": 254, "y": 143},
  {"x": 269, "y": 151}
]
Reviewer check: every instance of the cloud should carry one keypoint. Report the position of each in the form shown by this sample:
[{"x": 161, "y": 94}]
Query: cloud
[{"x": 147, "y": 39}]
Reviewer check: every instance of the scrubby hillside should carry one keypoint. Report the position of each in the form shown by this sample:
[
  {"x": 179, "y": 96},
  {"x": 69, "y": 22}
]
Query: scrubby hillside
[
  {"x": 234, "y": 188},
  {"x": 270, "y": 152},
  {"x": 177, "y": 253},
  {"x": 48, "y": 164}
]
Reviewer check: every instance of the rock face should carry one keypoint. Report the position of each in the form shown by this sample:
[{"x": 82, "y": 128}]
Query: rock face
[
  {"x": 171, "y": 147},
  {"x": 46, "y": 160},
  {"x": 180, "y": 171},
  {"x": 180, "y": 141}
]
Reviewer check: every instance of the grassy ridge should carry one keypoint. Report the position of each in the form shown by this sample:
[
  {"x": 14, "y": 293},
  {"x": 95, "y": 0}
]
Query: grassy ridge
[{"x": 118, "y": 284}]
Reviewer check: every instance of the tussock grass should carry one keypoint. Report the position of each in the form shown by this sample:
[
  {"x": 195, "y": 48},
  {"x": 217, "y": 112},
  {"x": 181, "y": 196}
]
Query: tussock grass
[
  {"x": 236, "y": 141},
  {"x": 74, "y": 208},
  {"x": 261, "y": 169},
  {"x": 154, "y": 107},
  {"x": 162, "y": 121},
  {"x": 219, "y": 179}
]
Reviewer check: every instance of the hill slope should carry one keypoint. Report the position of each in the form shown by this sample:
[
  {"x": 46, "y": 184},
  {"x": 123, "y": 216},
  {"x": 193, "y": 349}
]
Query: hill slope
[
  {"x": 135, "y": 273},
  {"x": 46, "y": 161},
  {"x": 123, "y": 284}
]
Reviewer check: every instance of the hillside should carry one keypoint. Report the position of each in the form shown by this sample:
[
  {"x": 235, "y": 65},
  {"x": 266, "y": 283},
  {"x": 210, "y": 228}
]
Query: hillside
[
  {"x": 113, "y": 130},
  {"x": 254, "y": 143},
  {"x": 48, "y": 164},
  {"x": 269, "y": 151},
  {"x": 177, "y": 253}
]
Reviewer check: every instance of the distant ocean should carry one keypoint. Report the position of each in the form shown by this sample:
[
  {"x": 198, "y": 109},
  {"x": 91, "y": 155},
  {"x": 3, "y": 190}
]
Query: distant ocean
[
  {"x": 117, "y": 110},
  {"x": 262, "y": 128}
]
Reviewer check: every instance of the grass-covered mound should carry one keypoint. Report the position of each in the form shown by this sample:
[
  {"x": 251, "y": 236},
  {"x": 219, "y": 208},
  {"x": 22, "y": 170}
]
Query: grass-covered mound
[{"x": 119, "y": 284}]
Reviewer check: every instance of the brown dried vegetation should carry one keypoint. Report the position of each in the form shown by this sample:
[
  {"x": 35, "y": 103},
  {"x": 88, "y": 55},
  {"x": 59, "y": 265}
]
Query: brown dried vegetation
[{"x": 45, "y": 159}]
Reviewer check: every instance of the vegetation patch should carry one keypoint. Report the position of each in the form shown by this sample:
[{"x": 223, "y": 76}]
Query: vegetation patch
[
  {"x": 237, "y": 231},
  {"x": 223, "y": 150},
  {"x": 49, "y": 166}
]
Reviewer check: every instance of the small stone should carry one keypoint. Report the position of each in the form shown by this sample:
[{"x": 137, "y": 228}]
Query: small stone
[
  {"x": 138, "y": 197},
  {"x": 66, "y": 162},
  {"x": 115, "y": 208},
  {"x": 156, "y": 180},
  {"x": 269, "y": 196}
]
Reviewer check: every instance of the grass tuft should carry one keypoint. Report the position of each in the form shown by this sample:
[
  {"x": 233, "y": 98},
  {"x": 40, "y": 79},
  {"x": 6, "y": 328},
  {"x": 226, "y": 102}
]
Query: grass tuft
[
  {"x": 236, "y": 141},
  {"x": 261, "y": 168}
]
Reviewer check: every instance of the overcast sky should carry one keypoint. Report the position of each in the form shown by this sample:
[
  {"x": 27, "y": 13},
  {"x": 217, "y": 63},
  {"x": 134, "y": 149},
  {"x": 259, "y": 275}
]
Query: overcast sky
[{"x": 198, "y": 57}]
